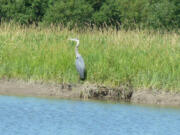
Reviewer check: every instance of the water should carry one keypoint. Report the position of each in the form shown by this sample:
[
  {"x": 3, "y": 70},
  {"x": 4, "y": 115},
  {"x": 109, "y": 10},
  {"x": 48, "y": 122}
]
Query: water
[{"x": 33, "y": 116}]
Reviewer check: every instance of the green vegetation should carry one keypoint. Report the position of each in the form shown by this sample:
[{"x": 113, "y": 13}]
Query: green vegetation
[
  {"x": 153, "y": 14},
  {"x": 146, "y": 59}
]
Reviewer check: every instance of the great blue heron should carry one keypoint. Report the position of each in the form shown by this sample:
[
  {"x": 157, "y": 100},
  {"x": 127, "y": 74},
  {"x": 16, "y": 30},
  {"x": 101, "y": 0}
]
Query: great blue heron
[{"x": 80, "y": 66}]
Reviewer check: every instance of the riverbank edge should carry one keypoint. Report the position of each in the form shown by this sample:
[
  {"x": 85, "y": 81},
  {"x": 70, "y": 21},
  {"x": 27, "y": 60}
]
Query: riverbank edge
[{"x": 89, "y": 91}]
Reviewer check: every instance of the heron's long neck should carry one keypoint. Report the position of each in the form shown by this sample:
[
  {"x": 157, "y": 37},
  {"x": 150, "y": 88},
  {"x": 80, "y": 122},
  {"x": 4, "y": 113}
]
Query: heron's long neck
[{"x": 76, "y": 50}]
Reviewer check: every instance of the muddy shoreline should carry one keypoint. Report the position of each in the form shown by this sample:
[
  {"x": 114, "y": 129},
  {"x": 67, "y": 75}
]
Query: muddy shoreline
[{"x": 88, "y": 91}]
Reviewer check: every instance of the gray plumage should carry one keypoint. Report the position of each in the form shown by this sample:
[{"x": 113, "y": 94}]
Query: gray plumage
[{"x": 80, "y": 65}]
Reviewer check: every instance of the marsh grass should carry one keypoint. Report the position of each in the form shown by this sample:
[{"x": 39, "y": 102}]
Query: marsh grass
[{"x": 146, "y": 59}]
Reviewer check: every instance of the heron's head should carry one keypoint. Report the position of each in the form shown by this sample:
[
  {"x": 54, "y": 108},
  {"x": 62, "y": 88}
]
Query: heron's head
[{"x": 74, "y": 39}]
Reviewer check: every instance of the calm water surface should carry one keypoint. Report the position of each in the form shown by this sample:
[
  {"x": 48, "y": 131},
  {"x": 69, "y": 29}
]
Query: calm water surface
[{"x": 33, "y": 116}]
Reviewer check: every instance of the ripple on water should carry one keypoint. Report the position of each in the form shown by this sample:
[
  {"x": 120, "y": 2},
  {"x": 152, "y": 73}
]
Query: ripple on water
[{"x": 33, "y": 116}]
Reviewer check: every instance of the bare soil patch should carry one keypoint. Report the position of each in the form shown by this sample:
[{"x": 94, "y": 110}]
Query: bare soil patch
[
  {"x": 157, "y": 97},
  {"x": 88, "y": 91}
]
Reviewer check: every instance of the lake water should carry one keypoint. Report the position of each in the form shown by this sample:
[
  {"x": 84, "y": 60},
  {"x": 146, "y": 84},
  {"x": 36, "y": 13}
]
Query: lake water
[{"x": 33, "y": 116}]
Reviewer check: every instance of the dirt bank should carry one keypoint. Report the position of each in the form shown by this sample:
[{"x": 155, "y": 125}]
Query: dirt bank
[{"x": 88, "y": 91}]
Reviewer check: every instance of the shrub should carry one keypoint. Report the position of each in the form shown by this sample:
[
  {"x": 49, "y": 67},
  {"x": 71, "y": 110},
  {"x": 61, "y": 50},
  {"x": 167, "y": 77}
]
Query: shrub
[
  {"x": 69, "y": 13},
  {"x": 96, "y": 4},
  {"x": 23, "y": 11},
  {"x": 133, "y": 12},
  {"x": 127, "y": 13},
  {"x": 177, "y": 12},
  {"x": 161, "y": 14},
  {"x": 109, "y": 13}
]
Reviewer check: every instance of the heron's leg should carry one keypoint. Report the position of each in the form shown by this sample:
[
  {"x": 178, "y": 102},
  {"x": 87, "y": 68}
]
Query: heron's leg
[{"x": 80, "y": 81}]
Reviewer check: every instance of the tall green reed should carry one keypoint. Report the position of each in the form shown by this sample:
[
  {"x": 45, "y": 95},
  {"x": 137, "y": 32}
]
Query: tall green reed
[{"x": 145, "y": 59}]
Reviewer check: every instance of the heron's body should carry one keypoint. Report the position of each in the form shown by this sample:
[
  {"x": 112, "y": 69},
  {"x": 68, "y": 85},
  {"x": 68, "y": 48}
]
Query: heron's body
[{"x": 80, "y": 66}]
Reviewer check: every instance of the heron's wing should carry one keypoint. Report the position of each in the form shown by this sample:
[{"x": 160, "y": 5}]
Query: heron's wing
[{"x": 80, "y": 66}]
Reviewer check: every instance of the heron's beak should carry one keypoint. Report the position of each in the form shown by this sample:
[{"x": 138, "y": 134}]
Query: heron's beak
[{"x": 72, "y": 39}]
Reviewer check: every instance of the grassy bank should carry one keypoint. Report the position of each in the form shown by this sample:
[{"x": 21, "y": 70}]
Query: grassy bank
[{"x": 146, "y": 59}]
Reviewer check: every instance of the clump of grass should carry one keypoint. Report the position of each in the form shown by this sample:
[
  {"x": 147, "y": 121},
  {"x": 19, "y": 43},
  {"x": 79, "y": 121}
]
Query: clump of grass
[{"x": 146, "y": 59}]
